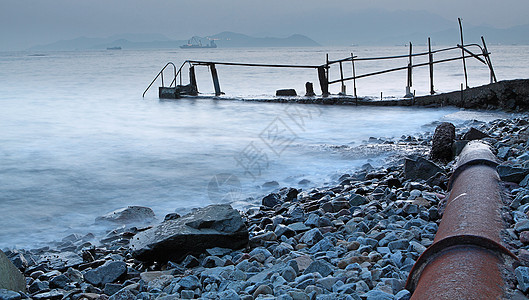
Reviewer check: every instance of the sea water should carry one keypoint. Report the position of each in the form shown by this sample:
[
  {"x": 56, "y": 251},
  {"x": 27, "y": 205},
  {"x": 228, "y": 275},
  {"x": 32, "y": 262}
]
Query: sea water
[{"x": 77, "y": 140}]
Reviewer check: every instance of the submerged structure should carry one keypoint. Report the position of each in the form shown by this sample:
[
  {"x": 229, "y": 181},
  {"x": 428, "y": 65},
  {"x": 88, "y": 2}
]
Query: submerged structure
[{"x": 176, "y": 89}]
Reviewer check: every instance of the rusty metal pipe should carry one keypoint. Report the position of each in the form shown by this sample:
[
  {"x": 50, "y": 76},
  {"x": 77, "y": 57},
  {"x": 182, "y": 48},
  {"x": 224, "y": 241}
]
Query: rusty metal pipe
[{"x": 467, "y": 259}]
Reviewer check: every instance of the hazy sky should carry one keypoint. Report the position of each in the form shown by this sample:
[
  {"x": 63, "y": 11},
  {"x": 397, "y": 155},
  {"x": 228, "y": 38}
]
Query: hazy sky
[{"x": 24, "y": 23}]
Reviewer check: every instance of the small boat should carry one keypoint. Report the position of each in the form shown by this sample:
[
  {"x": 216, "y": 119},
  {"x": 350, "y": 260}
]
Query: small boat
[
  {"x": 114, "y": 48},
  {"x": 195, "y": 43}
]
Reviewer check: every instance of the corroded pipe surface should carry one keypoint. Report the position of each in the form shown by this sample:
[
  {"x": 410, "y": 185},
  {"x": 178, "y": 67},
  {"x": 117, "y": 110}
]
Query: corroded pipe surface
[{"x": 467, "y": 259}]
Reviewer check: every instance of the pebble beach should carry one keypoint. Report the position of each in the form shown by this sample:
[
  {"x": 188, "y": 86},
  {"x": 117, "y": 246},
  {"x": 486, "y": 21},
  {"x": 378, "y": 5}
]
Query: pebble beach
[{"x": 357, "y": 238}]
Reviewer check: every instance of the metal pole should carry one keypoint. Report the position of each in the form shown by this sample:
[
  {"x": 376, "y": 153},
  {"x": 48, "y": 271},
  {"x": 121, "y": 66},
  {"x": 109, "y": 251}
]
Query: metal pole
[
  {"x": 410, "y": 66},
  {"x": 354, "y": 74},
  {"x": 463, "y": 52},
  {"x": 193, "y": 79},
  {"x": 341, "y": 76},
  {"x": 324, "y": 83},
  {"x": 430, "y": 58},
  {"x": 489, "y": 62},
  {"x": 215, "y": 77}
]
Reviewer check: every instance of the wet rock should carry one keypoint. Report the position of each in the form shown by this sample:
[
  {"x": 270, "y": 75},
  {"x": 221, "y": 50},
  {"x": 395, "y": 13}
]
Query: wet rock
[
  {"x": 474, "y": 134},
  {"x": 51, "y": 295},
  {"x": 442, "y": 142},
  {"x": 378, "y": 295},
  {"x": 9, "y": 295},
  {"x": 205, "y": 228},
  {"x": 263, "y": 290},
  {"x": 522, "y": 276},
  {"x": 512, "y": 173},
  {"x": 59, "y": 281},
  {"x": 357, "y": 200},
  {"x": 271, "y": 200},
  {"x": 128, "y": 215},
  {"x": 39, "y": 286},
  {"x": 107, "y": 273},
  {"x": 123, "y": 294},
  {"x": 10, "y": 276},
  {"x": 320, "y": 266},
  {"x": 311, "y": 237},
  {"x": 420, "y": 168}
]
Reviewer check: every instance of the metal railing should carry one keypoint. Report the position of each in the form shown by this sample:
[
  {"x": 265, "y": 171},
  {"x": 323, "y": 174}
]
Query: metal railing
[
  {"x": 482, "y": 56},
  {"x": 160, "y": 74}
]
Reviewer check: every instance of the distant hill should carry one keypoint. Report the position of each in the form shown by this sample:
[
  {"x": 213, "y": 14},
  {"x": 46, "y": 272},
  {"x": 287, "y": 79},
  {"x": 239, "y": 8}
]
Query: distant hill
[
  {"x": 132, "y": 41},
  {"x": 232, "y": 39}
]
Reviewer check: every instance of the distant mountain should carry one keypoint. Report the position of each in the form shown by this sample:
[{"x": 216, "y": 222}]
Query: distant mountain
[
  {"x": 133, "y": 41},
  {"x": 232, "y": 39}
]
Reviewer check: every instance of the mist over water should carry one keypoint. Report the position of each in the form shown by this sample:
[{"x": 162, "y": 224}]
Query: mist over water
[{"x": 77, "y": 140}]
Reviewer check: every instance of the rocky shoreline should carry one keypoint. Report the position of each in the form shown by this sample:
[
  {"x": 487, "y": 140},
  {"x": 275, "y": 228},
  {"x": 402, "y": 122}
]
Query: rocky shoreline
[{"x": 356, "y": 239}]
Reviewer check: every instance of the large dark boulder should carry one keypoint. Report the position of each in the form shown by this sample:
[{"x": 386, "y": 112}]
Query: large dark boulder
[
  {"x": 10, "y": 277},
  {"x": 204, "y": 228},
  {"x": 442, "y": 141}
]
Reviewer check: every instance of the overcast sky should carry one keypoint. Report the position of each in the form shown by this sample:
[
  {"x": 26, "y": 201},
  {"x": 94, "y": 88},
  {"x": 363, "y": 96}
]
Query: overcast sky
[{"x": 25, "y": 23}]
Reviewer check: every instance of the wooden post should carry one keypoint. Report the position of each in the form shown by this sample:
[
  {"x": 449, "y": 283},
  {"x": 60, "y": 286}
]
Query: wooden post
[
  {"x": 341, "y": 77},
  {"x": 489, "y": 62},
  {"x": 354, "y": 75},
  {"x": 215, "y": 77},
  {"x": 463, "y": 52},
  {"x": 430, "y": 60},
  {"x": 324, "y": 82},
  {"x": 193, "y": 79}
]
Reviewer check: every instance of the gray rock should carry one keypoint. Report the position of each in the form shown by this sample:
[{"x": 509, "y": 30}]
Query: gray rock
[
  {"x": 442, "y": 142},
  {"x": 522, "y": 276},
  {"x": 311, "y": 237},
  {"x": 401, "y": 244},
  {"x": 107, "y": 273},
  {"x": 474, "y": 134},
  {"x": 357, "y": 200},
  {"x": 10, "y": 276},
  {"x": 282, "y": 249},
  {"x": 525, "y": 182},
  {"x": 9, "y": 295},
  {"x": 190, "y": 282},
  {"x": 403, "y": 295},
  {"x": 59, "y": 281},
  {"x": 128, "y": 215},
  {"x": 271, "y": 200},
  {"x": 320, "y": 266},
  {"x": 111, "y": 288},
  {"x": 522, "y": 225},
  {"x": 298, "y": 227},
  {"x": 39, "y": 286},
  {"x": 284, "y": 230},
  {"x": 122, "y": 294},
  {"x": 323, "y": 245},
  {"x": 51, "y": 295},
  {"x": 263, "y": 290},
  {"x": 378, "y": 295},
  {"x": 512, "y": 173},
  {"x": 289, "y": 274},
  {"x": 229, "y": 295},
  {"x": 190, "y": 262},
  {"x": 205, "y": 228},
  {"x": 420, "y": 169}
]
